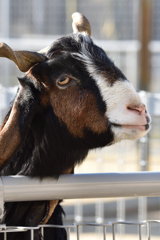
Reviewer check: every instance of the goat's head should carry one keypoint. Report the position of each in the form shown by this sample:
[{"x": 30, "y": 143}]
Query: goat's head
[{"x": 86, "y": 91}]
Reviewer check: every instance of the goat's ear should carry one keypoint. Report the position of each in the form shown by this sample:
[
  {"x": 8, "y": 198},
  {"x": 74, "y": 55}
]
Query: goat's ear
[
  {"x": 80, "y": 23},
  {"x": 23, "y": 59}
]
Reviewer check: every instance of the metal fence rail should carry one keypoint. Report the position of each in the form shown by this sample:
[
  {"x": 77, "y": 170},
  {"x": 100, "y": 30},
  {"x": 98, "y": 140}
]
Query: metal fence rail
[
  {"x": 20, "y": 188},
  {"x": 105, "y": 226},
  {"x": 75, "y": 186}
]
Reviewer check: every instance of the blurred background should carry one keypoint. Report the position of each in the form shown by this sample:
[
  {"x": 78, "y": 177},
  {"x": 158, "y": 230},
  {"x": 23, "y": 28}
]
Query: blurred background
[{"x": 129, "y": 31}]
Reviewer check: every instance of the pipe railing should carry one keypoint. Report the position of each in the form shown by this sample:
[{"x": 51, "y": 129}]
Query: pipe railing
[
  {"x": 21, "y": 188},
  {"x": 132, "y": 184}
]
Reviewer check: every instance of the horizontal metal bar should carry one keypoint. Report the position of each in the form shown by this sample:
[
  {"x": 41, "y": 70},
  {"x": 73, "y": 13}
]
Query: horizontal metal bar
[
  {"x": 4, "y": 228},
  {"x": 154, "y": 46},
  {"x": 21, "y": 188},
  {"x": 132, "y": 46}
]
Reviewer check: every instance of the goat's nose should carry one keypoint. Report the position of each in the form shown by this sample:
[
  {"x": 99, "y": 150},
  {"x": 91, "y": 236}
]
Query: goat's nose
[{"x": 141, "y": 109}]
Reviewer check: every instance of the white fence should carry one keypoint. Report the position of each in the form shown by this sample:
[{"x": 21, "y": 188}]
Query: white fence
[
  {"x": 75, "y": 227},
  {"x": 99, "y": 185},
  {"x": 20, "y": 188},
  {"x": 145, "y": 225}
]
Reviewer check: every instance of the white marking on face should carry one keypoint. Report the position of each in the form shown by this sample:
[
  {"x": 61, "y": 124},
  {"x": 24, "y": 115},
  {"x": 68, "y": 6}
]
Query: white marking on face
[{"x": 118, "y": 98}]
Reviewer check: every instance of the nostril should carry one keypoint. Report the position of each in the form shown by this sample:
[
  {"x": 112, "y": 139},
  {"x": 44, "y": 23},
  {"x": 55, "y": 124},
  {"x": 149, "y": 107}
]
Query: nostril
[
  {"x": 148, "y": 119},
  {"x": 141, "y": 110}
]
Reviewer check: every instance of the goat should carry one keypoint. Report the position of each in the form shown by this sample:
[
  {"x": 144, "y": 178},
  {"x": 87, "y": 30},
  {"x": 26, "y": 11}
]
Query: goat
[{"x": 71, "y": 99}]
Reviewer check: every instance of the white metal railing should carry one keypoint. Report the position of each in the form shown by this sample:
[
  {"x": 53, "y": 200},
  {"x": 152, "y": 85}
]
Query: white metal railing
[
  {"x": 154, "y": 46},
  {"x": 104, "y": 227},
  {"x": 20, "y": 188},
  {"x": 38, "y": 43}
]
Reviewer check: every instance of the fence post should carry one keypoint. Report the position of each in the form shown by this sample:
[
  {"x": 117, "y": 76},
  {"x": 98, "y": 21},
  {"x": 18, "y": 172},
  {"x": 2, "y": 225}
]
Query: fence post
[
  {"x": 5, "y": 19},
  {"x": 1, "y": 200}
]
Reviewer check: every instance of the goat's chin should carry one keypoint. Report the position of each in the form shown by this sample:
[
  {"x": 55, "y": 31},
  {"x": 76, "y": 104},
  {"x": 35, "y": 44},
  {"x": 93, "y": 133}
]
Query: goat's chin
[{"x": 129, "y": 132}]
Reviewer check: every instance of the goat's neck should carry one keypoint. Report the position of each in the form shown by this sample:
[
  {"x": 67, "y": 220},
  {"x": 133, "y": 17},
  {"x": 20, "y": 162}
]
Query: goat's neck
[{"x": 54, "y": 149}]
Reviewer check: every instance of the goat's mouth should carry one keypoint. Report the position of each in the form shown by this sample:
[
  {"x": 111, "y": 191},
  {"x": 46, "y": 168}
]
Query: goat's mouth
[{"x": 136, "y": 127}]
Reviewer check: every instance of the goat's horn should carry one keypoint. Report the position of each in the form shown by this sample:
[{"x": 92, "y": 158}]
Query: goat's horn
[
  {"x": 23, "y": 59},
  {"x": 80, "y": 23}
]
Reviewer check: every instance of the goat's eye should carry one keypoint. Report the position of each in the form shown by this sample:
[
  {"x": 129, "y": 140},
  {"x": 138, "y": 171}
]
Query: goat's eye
[{"x": 63, "y": 81}]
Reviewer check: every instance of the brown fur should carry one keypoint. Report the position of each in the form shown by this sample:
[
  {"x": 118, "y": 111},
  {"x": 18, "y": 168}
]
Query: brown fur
[
  {"x": 10, "y": 136},
  {"x": 53, "y": 203},
  {"x": 77, "y": 118}
]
